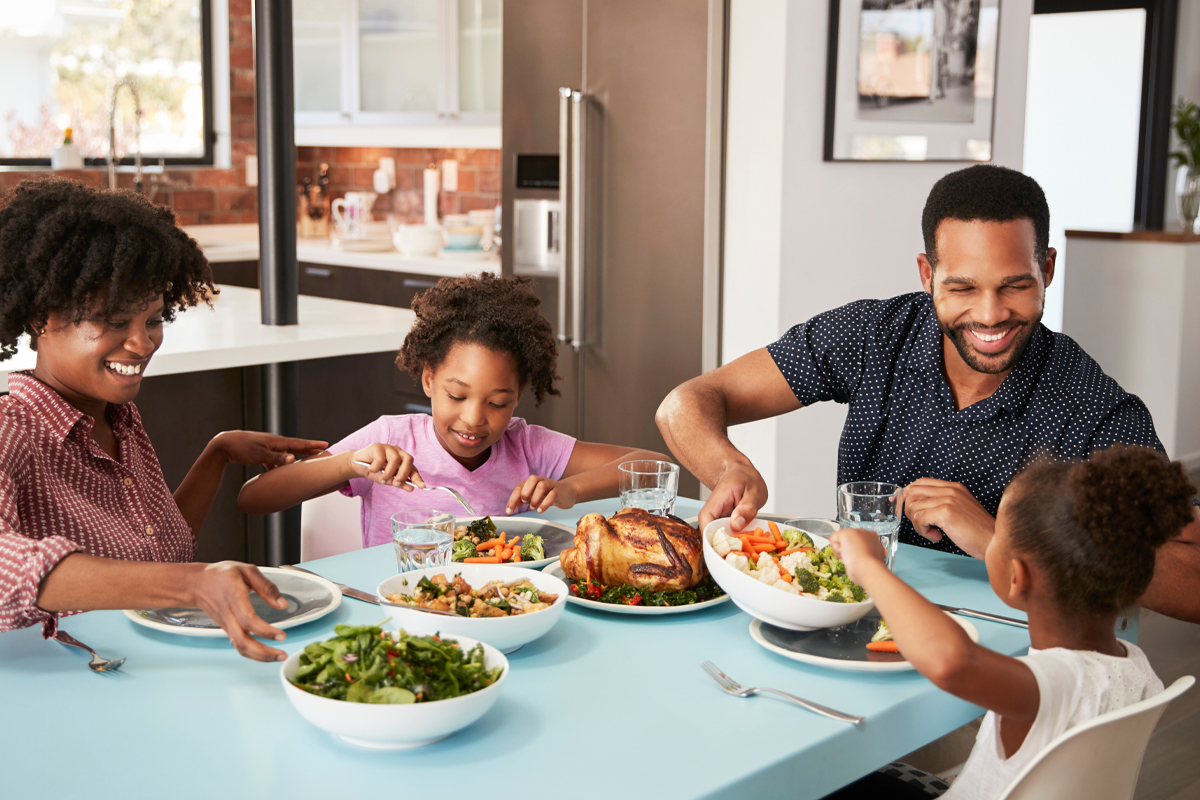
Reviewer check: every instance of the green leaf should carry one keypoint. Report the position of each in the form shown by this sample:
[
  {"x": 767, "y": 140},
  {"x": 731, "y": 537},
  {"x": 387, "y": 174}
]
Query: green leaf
[
  {"x": 358, "y": 692},
  {"x": 391, "y": 695}
]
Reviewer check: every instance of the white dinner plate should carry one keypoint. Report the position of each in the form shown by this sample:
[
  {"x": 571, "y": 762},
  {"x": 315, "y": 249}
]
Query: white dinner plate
[
  {"x": 556, "y": 570},
  {"x": 839, "y": 648},
  {"x": 309, "y": 597},
  {"x": 557, "y": 536}
]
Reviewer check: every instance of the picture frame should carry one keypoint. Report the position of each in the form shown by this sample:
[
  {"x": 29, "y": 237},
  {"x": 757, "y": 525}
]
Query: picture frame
[{"x": 911, "y": 80}]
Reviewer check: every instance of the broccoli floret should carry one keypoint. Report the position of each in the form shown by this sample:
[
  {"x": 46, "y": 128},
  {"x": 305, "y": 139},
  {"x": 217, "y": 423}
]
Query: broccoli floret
[
  {"x": 835, "y": 597},
  {"x": 835, "y": 564},
  {"x": 464, "y": 548},
  {"x": 828, "y": 583},
  {"x": 796, "y": 538},
  {"x": 533, "y": 548},
  {"x": 806, "y": 581},
  {"x": 859, "y": 593}
]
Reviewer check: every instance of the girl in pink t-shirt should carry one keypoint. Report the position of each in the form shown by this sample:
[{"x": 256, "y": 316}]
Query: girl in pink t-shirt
[{"x": 478, "y": 343}]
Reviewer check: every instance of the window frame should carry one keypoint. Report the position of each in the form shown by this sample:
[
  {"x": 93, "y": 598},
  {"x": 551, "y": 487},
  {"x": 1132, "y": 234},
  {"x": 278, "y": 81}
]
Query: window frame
[{"x": 209, "y": 133}]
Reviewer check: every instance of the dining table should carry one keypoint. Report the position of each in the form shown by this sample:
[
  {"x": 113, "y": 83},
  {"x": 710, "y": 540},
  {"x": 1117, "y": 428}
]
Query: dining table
[{"x": 603, "y": 705}]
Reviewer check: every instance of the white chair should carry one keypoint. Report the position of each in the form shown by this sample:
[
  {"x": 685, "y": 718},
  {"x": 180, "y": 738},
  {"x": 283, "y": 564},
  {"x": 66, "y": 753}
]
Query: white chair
[
  {"x": 329, "y": 525},
  {"x": 1101, "y": 758}
]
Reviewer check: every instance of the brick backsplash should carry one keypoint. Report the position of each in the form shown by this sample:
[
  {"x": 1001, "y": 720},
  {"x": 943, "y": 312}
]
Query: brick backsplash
[{"x": 206, "y": 195}]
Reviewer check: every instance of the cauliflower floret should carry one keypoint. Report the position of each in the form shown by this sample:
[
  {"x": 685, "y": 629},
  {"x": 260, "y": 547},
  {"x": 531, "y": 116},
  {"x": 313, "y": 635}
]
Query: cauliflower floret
[
  {"x": 793, "y": 560},
  {"x": 723, "y": 543},
  {"x": 738, "y": 562},
  {"x": 790, "y": 588},
  {"x": 765, "y": 560},
  {"x": 768, "y": 575},
  {"x": 822, "y": 593}
]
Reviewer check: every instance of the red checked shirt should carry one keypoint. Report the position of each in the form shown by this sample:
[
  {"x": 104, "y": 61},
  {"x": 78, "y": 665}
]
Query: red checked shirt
[{"x": 60, "y": 493}]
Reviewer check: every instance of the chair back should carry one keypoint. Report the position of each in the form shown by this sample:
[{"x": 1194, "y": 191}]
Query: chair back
[
  {"x": 1101, "y": 758},
  {"x": 329, "y": 525}
]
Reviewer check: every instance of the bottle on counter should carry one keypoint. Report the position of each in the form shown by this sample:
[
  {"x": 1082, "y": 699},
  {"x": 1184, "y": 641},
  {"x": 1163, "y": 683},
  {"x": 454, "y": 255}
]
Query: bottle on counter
[{"x": 66, "y": 155}]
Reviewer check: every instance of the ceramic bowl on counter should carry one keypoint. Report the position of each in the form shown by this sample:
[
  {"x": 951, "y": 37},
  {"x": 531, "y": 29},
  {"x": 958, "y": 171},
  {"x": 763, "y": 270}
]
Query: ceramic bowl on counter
[
  {"x": 504, "y": 633},
  {"x": 775, "y": 607},
  {"x": 462, "y": 238},
  {"x": 418, "y": 240},
  {"x": 393, "y": 727}
]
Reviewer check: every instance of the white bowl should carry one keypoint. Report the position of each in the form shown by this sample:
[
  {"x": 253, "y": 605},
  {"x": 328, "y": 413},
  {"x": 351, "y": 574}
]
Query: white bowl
[
  {"x": 462, "y": 238},
  {"x": 418, "y": 240},
  {"x": 394, "y": 727},
  {"x": 769, "y": 604},
  {"x": 504, "y": 633}
]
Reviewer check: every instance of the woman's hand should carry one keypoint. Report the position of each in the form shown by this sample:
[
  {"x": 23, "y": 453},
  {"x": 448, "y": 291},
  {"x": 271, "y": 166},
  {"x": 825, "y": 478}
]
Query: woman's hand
[
  {"x": 223, "y": 592},
  {"x": 540, "y": 493},
  {"x": 267, "y": 449},
  {"x": 856, "y": 548},
  {"x": 388, "y": 465}
]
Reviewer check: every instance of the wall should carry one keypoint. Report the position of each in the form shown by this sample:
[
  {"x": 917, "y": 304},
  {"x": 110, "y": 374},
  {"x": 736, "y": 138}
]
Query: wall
[
  {"x": 845, "y": 231},
  {"x": 1187, "y": 86}
]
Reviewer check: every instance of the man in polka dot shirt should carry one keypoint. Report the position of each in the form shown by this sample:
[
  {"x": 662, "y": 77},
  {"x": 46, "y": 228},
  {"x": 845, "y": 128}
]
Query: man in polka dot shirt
[{"x": 951, "y": 390}]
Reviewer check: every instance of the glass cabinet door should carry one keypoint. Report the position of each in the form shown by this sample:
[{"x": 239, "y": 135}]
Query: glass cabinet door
[
  {"x": 479, "y": 56},
  {"x": 317, "y": 55},
  {"x": 401, "y": 54}
]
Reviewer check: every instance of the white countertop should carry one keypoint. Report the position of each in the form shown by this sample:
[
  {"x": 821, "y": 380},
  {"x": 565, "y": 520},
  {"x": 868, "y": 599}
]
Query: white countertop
[
  {"x": 224, "y": 243},
  {"x": 231, "y": 335}
]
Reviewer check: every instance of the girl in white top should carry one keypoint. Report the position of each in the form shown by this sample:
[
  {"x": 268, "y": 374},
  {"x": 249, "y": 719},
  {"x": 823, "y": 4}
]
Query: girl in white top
[{"x": 1074, "y": 544}]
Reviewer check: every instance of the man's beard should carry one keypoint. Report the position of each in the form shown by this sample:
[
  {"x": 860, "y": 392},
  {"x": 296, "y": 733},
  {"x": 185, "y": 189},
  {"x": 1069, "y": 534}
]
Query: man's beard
[{"x": 999, "y": 362}]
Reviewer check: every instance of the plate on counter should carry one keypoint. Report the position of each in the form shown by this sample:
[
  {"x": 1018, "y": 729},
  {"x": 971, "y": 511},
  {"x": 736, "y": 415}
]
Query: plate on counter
[
  {"x": 556, "y": 570},
  {"x": 839, "y": 648},
  {"x": 309, "y": 597},
  {"x": 363, "y": 245},
  {"x": 557, "y": 536}
]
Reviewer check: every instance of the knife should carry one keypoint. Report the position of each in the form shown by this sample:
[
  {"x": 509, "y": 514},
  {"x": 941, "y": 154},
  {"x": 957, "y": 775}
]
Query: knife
[
  {"x": 968, "y": 612},
  {"x": 357, "y": 594}
]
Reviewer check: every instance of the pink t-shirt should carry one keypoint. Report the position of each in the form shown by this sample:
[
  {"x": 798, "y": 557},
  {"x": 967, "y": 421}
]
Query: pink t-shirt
[{"x": 522, "y": 451}]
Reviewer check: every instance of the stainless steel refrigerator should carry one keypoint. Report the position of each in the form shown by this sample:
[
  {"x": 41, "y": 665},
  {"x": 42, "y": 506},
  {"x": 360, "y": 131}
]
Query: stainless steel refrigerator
[{"x": 613, "y": 116}]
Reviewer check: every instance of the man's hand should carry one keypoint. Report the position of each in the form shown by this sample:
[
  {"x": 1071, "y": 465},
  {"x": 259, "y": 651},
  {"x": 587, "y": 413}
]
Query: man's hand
[
  {"x": 932, "y": 504},
  {"x": 539, "y": 494},
  {"x": 387, "y": 465},
  {"x": 267, "y": 449},
  {"x": 855, "y": 547},
  {"x": 739, "y": 493},
  {"x": 223, "y": 592}
]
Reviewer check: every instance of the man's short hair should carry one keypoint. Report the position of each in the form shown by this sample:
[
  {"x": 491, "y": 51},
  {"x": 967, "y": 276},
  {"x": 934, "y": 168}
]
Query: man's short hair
[{"x": 991, "y": 194}]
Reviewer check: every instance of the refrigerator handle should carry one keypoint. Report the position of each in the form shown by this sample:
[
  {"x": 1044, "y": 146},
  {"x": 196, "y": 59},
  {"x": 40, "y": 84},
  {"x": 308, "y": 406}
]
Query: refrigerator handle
[
  {"x": 564, "y": 183},
  {"x": 578, "y": 195}
]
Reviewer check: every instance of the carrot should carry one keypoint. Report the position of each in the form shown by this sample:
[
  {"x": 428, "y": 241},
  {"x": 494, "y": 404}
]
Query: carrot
[
  {"x": 774, "y": 529},
  {"x": 482, "y": 560},
  {"x": 503, "y": 536},
  {"x": 516, "y": 556},
  {"x": 786, "y": 576},
  {"x": 883, "y": 647},
  {"x": 489, "y": 544},
  {"x": 504, "y": 554}
]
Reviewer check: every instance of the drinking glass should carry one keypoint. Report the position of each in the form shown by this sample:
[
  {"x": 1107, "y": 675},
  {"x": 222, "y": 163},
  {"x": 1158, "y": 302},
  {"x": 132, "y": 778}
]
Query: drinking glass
[
  {"x": 877, "y": 507},
  {"x": 651, "y": 485},
  {"x": 423, "y": 537}
]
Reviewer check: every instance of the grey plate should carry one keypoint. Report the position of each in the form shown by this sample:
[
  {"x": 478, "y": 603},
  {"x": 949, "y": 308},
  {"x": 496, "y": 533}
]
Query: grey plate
[
  {"x": 308, "y": 597},
  {"x": 558, "y": 536}
]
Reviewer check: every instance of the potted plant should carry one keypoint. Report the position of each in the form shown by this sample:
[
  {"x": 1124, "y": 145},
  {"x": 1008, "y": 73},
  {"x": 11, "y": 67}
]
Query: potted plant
[{"x": 1186, "y": 122}]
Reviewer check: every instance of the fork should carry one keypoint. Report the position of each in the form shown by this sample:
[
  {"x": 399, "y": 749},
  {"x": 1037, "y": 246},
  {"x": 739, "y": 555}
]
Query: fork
[
  {"x": 462, "y": 501},
  {"x": 97, "y": 664},
  {"x": 737, "y": 690}
]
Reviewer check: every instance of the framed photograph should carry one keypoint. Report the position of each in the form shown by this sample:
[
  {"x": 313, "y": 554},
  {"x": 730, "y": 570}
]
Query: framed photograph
[{"x": 911, "y": 80}]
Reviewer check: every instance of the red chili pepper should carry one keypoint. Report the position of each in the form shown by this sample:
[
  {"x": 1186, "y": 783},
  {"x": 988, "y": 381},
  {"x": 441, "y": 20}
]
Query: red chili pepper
[
  {"x": 636, "y": 600},
  {"x": 575, "y": 589}
]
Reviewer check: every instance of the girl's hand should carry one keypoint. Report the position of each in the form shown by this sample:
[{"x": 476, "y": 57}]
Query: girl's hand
[
  {"x": 223, "y": 592},
  {"x": 389, "y": 466},
  {"x": 856, "y": 548},
  {"x": 267, "y": 449},
  {"x": 539, "y": 494}
]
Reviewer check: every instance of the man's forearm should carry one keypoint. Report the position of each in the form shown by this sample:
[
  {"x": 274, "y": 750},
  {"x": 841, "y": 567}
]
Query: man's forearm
[
  {"x": 693, "y": 421},
  {"x": 1175, "y": 589}
]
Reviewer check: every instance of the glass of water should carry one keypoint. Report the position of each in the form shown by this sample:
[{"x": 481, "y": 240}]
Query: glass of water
[
  {"x": 423, "y": 537},
  {"x": 876, "y": 507},
  {"x": 652, "y": 485}
]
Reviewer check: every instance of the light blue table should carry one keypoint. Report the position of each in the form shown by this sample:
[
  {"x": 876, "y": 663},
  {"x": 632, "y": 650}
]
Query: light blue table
[{"x": 602, "y": 706}]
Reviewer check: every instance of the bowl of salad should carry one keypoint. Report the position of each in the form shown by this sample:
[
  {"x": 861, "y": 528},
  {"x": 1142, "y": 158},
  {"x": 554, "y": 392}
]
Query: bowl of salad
[
  {"x": 387, "y": 690},
  {"x": 784, "y": 576},
  {"x": 505, "y": 606}
]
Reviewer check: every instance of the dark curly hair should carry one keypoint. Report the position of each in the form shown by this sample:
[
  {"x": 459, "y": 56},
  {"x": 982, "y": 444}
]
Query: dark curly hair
[
  {"x": 500, "y": 313},
  {"x": 988, "y": 193},
  {"x": 64, "y": 245},
  {"x": 1095, "y": 525}
]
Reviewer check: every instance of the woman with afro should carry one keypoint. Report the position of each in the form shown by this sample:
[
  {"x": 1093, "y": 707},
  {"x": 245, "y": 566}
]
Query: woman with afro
[
  {"x": 86, "y": 519},
  {"x": 478, "y": 343}
]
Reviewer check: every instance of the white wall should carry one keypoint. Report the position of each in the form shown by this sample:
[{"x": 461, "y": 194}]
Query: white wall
[{"x": 844, "y": 231}]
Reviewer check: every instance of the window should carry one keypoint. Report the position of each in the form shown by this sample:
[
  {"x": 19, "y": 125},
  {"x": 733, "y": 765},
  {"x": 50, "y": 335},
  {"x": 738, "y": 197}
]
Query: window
[{"x": 70, "y": 54}]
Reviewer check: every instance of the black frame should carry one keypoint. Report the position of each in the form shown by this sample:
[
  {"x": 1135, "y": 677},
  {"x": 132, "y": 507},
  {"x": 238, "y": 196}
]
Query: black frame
[
  {"x": 1158, "y": 77},
  {"x": 210, "y": 135}
]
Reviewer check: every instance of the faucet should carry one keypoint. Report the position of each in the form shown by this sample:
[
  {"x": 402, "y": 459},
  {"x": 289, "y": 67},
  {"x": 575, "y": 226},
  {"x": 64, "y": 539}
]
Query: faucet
[{"x": 112, "y": 134}]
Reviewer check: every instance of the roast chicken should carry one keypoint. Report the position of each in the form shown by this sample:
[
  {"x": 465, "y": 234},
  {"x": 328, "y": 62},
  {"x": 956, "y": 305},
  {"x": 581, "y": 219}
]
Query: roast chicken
[{"x": 637, "y": 548}]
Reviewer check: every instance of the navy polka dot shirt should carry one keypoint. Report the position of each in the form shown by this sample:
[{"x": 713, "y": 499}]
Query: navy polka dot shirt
[{"x": 884, "y": 358}]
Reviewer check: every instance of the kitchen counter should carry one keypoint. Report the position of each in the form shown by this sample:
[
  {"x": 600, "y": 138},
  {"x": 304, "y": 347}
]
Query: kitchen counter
[
  {"x": 231, "y": 335},
  {"x": 229, "y": 243}
]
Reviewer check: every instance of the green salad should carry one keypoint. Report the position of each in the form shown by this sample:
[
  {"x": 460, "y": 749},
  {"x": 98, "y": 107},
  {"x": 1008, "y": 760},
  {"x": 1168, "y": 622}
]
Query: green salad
[
  {"x": 365, "y": 664},
  {"x": 625, "y": 595}
]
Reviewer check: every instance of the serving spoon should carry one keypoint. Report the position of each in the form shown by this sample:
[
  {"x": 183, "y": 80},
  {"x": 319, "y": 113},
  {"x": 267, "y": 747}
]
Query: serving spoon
[{"x": 462, "y": 501}]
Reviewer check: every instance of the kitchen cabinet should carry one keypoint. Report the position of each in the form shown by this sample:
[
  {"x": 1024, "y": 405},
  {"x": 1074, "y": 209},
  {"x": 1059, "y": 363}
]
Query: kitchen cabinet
[{"x": 397, "y": 72}]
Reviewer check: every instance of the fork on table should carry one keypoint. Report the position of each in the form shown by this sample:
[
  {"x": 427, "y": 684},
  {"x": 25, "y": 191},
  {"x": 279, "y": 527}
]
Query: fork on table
[
  {"x": 97, "y": 664},
  {"x": 737, "y": 690}
]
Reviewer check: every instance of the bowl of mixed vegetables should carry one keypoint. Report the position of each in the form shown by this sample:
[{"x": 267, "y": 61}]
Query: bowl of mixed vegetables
[
  {"x": 387, "y": 690},
  {"x": 505, "y": 606},
  {"x": 784, "y": 576}
]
